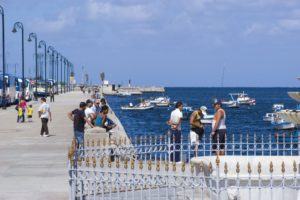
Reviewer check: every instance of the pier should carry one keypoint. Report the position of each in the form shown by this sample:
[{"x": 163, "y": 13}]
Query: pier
[{"x": 34, "y": 167}]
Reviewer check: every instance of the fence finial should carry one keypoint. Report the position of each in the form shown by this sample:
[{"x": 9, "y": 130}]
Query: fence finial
[
  {"x": 87, "y": 142},
  {"x": 87, "y": 162},
  {"x": 183, "y": 166},
  {"x": 294, "y": 166},
  {"x": 201, "y": 166},
  {"x": 210, "y": 167},
  {"x": 166, "y": 165},
  {"x": 192, "y": 168},
  {"x": 135, "y": 140},
  {"x": 132, "y": 163},
  {"x": 225, "y": 168},
  {"x": 102, "y": 162},
  {"x": 237, "y": 167},
  {"x": 140, "y": 164},
  {"x": 158, "y": 165},
  {"x": 79, "y": 162},
  {"x": 109, "y": 162},
  {"x": 282, "y": 167},
  {"x": 130, "y": 140},
  {"x": 174, "y": 166},
  {"x": 249, "y": 168},
  {"x": 218, "y": 160},
  {"x": 125, "y": 164},
  {"x": 94, "y": 162},
  {"x": 93, "y": 142},
  {"x": 118, "y": 163},
  {"x": 271, "y": 167},
  {"x": 259, "y": 168},
  {"x": 149, "y": 165},
  {"x": 98, "y": 142},
  {"x": 104, "y": 142}
]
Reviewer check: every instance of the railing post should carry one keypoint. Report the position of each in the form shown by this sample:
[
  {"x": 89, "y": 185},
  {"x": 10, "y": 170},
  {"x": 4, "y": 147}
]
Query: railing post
[{"x": 218, "y": 177}]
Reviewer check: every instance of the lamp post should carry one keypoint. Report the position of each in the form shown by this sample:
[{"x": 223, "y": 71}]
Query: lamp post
[
  {"x": 43, "y": 43},
  {"x": 3, "y": 61},
  {"x": 61, "y": 73},
  {"x": 50, "y": 48},
  {"x": 19, "y": 25},
  {"x": 57, "y": 72},
  {"x": 34, "y": 36},
  {"x": 65, "y": 62}
]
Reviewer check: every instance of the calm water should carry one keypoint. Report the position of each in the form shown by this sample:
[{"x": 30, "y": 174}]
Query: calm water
[{"x": 247, "y": 119}]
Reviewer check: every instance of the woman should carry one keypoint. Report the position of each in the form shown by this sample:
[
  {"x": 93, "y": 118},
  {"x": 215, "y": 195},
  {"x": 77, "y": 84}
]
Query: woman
[{"x": 23, "y": 106}]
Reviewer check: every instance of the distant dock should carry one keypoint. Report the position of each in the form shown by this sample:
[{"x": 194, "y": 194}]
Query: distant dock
[{"x": 115, "y": 90}]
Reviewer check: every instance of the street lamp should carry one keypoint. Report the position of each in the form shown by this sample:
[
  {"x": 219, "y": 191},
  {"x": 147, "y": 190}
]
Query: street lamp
[
  {"x": 19, "y": 25},
  {"x": 65, "y": 62},
  {"x": 43, "y": 43},
  {"x": 34, "y": 36},
  {"x": 3, "y": 61},
  {"x": 51, "y": 48},
  {"x": 61, "y": 73},
  {"x": 57, "y": 54}
]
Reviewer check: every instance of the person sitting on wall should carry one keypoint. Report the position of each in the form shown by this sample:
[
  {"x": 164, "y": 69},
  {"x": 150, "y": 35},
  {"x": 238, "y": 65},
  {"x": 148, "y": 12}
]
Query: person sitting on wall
[{"x": 103, "y": 121}]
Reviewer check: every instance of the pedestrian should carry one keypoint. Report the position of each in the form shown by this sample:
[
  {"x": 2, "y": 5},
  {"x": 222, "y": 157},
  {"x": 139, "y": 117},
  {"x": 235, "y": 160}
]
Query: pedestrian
[
  {"x": 89, "y": 113},
  {"x": 23, "y": 105},
  {"x": 52, "y": 94},
  {"x": 20, "y": 113},
  {"x": 45, "y": 115},
  {"x": 96, "y": 107},
  {"x": 175, "y": 129},
  {"x": 29, "y": 113},
  {"x": 196, "y": 129},
  {"x": 79, "y": 119},
  {"x": 219, "y": 129}
]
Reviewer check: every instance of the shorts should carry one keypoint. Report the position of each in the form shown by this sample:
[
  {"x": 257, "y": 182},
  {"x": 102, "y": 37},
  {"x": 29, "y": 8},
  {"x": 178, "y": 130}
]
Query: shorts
[
  {"x": 29, "y": 116},
  {"x": 199, "y": 132},
  {"x": 218, "y": 139}
]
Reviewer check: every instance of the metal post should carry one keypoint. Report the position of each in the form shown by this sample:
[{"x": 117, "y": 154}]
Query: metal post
[
  {"x": 65, "y": 75},
  {"x": 33, "y": 35},
  {"x": 57, "y": 73},
  {"x": 3, "y": 60},
  {"x": 61, "y": 73}
]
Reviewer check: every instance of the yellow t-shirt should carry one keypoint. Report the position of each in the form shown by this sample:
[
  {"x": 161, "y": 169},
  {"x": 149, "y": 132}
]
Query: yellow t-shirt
[
  {"x": 20, "y": 111},
  {"x": 29, "y": 111}
]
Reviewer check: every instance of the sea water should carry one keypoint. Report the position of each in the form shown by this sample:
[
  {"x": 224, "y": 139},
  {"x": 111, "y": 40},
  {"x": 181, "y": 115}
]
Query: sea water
[{"x": 243, "y": 120}]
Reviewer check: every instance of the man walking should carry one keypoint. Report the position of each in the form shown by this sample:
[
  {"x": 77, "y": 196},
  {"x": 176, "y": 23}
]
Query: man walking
[
  {"x": 218, "y": 129},
  {"x": 175, "y": 128},
  {"x": 45, "y": 115},
  {"x": 52, "y": 94},
  {"x": 79, "y": 119}
]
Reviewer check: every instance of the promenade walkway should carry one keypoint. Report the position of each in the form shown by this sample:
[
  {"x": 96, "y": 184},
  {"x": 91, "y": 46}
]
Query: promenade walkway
[{"x": 34, "y": 167}]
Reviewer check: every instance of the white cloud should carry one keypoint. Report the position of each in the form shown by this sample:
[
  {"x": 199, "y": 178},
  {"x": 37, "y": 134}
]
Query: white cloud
[
  {"x": 108, "y": 10},
  {"x": 290, "y": 24},
  {"x": 64, "y": 19},
  {"x": 254, "y": 28}
]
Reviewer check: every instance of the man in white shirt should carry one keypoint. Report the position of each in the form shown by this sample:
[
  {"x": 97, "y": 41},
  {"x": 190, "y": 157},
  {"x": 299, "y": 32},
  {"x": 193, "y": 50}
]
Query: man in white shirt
[
  {"x": 89, "y": 113},
  {"x": 45, "y": 115},
  {"x": 175, "y": 129}
]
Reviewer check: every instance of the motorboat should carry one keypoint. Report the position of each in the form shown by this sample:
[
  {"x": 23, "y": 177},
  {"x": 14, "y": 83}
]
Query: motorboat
[
  {"x": 277, "y": 107},
  {"x": 186, "y": 112},
  {"x": 123, "y": 93},
  {"x": 244, "y": 99},
  {"x": 163, "y": 103},
  {"x": 233, "y": 104},
  {"x": 140, "y": 106},
  {"x": 160, "y": 101},
  {"x": 269, "y": 117},
  {"x": 281, "y": 124}
]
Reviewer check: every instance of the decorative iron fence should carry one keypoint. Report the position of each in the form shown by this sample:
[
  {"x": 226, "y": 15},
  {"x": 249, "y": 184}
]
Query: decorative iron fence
[{"x": 141, "y": 169}]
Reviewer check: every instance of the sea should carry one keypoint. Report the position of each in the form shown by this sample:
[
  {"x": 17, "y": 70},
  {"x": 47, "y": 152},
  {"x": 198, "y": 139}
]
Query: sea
[{"x": 246, "y": 120}]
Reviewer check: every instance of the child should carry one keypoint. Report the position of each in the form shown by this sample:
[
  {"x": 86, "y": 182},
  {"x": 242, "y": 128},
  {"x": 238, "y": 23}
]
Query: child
[
  {"x": 20, "y": 113},
  {"x": 29, "y": 113}
]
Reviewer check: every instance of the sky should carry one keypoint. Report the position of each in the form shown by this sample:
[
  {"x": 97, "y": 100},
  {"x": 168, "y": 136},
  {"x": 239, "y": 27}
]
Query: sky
[{"x": 254, "y": 43}]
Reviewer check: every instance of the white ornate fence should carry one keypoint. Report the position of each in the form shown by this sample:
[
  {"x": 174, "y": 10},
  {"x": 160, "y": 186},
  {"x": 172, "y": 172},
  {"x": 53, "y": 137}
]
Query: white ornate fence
[{"x": 141, "y": 169}]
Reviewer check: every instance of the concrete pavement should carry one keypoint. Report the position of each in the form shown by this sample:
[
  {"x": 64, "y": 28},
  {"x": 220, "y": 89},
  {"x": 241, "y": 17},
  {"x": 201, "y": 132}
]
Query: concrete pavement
[{"x": 34, "y": 167}]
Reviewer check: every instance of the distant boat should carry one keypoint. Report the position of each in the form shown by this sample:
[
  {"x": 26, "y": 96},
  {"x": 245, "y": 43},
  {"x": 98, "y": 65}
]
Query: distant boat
[
  {"x": 160, "y": 101},
  {"x": 123, "y": 93},
  {"x": 140, "y": 106},
  {"x": 244, "y": 99},
  {"x": 231, "y": 103}
]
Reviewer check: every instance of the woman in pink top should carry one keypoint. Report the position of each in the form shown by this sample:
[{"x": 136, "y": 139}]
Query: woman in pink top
[{"x": 23, "y": 105}]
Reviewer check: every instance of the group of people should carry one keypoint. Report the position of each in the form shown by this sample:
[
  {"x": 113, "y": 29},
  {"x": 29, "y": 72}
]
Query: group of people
[
  {"x": 218, "y": 133},
  {"x": 89, "y": 115},
  {"x": 21, "y": 110}
]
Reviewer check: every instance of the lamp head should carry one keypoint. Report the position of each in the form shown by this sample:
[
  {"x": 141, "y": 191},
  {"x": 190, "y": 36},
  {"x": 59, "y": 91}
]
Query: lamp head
[
  {"x": 39, "y": 46},
  {"x": 14, "y": 30},
  {"x": 29, "y": 39}
]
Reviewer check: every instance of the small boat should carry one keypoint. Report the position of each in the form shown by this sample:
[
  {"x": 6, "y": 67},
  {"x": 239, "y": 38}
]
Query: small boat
[
  {"x": 269, "y": 117},
  {"x": 277, "y": 107},
  {"x": 160, "y": 101},
  {"x": 186, "y": 112},
  {"x": 244, "y": 99},
  {"x": 140, "y": 106},
  {"x": 164, "y": 103},
  {"x": 281, "y": 124},
  {"x": 123, "y": 94},
  {"x": 233, "y": 104}
]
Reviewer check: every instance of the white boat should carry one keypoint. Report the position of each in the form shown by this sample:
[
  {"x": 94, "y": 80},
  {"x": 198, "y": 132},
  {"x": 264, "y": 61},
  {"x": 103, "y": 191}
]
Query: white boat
[
  {"x": 164, "y": 103},
  {"x": 123, "y": 93},
  {"x": 269, "y": 117},
  {"x": 233, "y": 104},
  {"x": 140, "y": 106},
  {"x": 277, "y": 107},
  {"x": 281, "y": 124},
  {"x": 244, "y": 99},
  {"x": 160, "y": 101}
]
